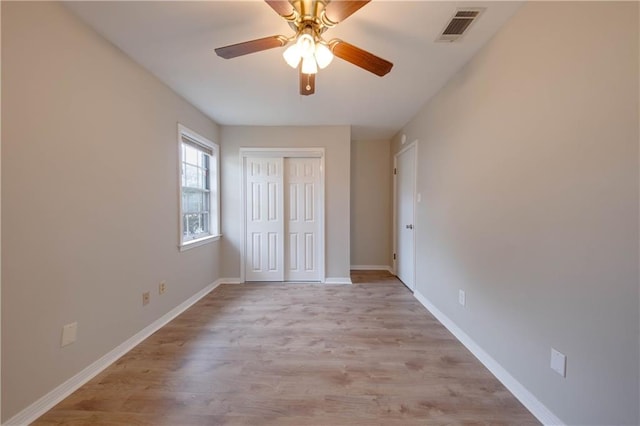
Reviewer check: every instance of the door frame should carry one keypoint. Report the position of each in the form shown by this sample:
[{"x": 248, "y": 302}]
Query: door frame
[
  {"x": 413, "y": 145},
  {"x": 281, "y": 153}
]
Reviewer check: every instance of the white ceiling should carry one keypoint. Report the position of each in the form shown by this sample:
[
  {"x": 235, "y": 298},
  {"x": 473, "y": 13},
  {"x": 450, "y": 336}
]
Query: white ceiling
[{"x": 175, "y": 41}]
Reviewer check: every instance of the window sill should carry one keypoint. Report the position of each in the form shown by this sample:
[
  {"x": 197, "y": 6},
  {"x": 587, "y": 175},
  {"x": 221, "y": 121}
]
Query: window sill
[{"x": 199, "y": 242}]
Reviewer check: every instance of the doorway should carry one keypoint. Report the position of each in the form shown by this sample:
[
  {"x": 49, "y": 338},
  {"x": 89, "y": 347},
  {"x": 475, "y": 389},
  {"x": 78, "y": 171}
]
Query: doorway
[
  {"x": 404, "y": 214},
  {"x": 283, "y": 202}
]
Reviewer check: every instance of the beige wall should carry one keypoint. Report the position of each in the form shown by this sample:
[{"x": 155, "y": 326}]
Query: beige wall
[
  {"x": 89, "y": 199},
  {"x": 371, "y": 203},
  {"x": 335, "y": 140},
  {"x": 528, "y": 169}
]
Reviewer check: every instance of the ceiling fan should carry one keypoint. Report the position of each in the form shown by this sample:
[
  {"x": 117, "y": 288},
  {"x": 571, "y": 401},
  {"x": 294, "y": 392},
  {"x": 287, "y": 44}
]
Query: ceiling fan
[{"x": 307, "y": 50}]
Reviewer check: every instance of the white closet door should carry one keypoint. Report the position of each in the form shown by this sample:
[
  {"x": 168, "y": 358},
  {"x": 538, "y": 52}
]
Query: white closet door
[
  {"x": 405, "y": 208},
  {"x": 264, "y": 218},
  {"x": 302, "y": 207}
]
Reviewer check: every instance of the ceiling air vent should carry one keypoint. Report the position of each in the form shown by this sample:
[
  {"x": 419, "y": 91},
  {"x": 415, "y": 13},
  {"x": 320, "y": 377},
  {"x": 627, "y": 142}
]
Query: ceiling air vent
[{"x": 459, "y": 24}]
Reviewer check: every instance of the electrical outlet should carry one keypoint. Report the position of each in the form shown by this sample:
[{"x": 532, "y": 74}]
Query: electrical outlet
[
  {"x": 462, "y": 298},
  {"x": 69, "y": 333},
  {"x": 559, "y": 362},
  {"x": 162, "y": 287},
  {"x": 146, "y": 296}
]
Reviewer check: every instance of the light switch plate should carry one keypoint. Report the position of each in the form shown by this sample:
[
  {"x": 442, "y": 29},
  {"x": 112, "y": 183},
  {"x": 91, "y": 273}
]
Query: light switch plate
[
  {"x": 558, "y": 362},
  {"x": 462, "y": 298}
]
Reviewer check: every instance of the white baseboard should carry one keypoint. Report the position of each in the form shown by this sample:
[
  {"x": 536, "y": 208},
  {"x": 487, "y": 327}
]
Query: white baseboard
[
  {"x": 372, "y": 268},
  {"x": 230, "y": 281},
  {"x": 48, "y": 401},
  {"x": 539, "y": 410},
  {"x": 338, "y": 280},
  {"x": 332, "y": 280}
]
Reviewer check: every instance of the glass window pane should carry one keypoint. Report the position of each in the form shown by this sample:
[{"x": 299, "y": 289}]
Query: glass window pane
[
  {"x": 190, "y": 204},
  {"x": 192, "y": 224},
  {"x": 204, "y": 222},
  {"x": 196, "y": 202},
  {"x": 202, "y": 178},
  {"x": 191, "y": 154},
  {"x": 191, "y": 176}
]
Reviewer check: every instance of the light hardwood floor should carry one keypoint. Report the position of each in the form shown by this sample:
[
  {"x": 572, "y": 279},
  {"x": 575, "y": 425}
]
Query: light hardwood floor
[{"x": 297, "y": 354}]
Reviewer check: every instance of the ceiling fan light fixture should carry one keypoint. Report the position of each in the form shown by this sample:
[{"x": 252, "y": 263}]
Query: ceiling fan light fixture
[
  {"x": 309, "y": 65},
  {"x": 323, "y": 55},
  {"x": 306, "y": 45},
  {"x": 292, "y": 55}
]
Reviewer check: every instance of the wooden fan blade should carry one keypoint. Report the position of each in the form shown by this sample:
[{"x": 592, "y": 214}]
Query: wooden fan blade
[
  {"x": 282, "y": 7},
  {"x": 338, "y": 11},
  {"x": 252, "y": 46},
  {"x": 360, "y": 58},
  {"x": 307, "y": 83}
]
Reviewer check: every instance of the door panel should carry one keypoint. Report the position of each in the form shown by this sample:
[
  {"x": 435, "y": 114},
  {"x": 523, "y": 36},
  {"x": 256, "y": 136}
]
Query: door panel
[
  {"x": 405, "y": 208},
  {"x": 293, "y": 252},
  {"x": 302, "y": 176},
  {"x": 309, "y": 251},
  {"x": 264, "y": 220}
]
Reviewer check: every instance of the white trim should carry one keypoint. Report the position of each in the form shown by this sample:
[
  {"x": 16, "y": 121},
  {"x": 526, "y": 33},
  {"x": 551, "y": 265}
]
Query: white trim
[
  {"x": 394, "y": 217},
  {"x": 245, "y": 152},
  {"x": 372, "y": 268},
  {"x": 1, "y": 238},
  {"x": 539, "y": 410},
  {"x": 338, "y": 280},
  {"x": 48, "y": 401},
  {"x": 281, "y": 152},
  {"x": 199, "y": 242},
  {"x": 231, "y": 281}
]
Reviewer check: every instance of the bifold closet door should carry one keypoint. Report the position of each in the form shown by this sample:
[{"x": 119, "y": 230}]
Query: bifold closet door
[
  {"x": 264, "y": 220},
  {"x": 302, "y": 222}
]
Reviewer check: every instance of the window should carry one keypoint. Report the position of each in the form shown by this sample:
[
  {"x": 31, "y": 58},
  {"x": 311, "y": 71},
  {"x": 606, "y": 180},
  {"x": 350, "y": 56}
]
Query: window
[{"x": 199, "y": 200}]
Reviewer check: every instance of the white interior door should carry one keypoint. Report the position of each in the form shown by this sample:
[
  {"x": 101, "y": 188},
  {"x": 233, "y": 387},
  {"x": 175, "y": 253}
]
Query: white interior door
[
  {"x": 405, "y": 210},
  {"x": 303, "y": 231},
  {"x": 264, "y": 248}
]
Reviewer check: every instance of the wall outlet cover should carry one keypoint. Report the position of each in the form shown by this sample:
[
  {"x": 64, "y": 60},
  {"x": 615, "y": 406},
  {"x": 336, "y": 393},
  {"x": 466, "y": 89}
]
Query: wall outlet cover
[
  {"x": 69, "y": 334},
  {"x": 558, "y": 362}
]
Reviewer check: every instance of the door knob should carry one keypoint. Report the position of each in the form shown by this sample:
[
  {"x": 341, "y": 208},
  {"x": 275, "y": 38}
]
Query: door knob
[{"x": 409, "y": 226}]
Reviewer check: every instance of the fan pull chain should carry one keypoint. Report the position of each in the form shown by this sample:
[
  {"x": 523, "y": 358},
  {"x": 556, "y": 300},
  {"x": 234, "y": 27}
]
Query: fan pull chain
[{"x": 308, "y": 82}]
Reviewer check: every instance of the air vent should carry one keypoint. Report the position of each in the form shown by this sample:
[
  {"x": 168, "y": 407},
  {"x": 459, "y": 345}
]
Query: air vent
[{"x": 459, "y": 24}]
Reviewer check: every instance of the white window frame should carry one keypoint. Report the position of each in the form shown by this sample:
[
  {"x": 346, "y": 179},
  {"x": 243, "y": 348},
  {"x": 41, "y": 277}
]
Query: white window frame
[{"x": 214, "y": 189}]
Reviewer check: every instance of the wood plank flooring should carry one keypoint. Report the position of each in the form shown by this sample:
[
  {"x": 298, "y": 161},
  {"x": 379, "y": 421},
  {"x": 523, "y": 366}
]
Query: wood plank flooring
[{"x": 297, "y": 354}]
